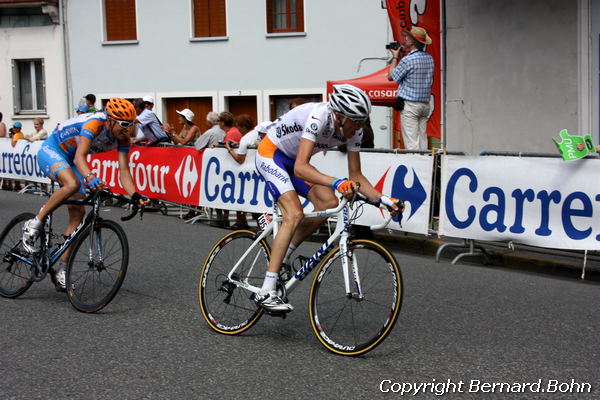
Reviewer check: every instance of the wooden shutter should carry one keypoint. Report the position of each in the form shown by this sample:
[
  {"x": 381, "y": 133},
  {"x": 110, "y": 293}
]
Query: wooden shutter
[
  {"x": 210, "y": 18},
  {"x": 120, "y": 20},
  {"x": 238, "y": 105},
  {"x": 299, "y": 11}
]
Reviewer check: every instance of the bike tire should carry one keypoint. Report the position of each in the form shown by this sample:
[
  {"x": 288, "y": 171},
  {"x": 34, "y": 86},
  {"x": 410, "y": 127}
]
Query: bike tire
[
  {"x": 95, "y": 275},
  {"x": 15, "y": 275},
  {"x": 226, "y": 307},
  {"x": 351, "y": 326}
]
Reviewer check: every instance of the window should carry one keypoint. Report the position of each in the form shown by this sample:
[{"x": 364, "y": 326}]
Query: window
[
  {"x": 209, "y": 18},
  {"x": 29, "y": 86},
  {"x": 285, "y": 16},
  {"x": 120, "y": 21}
]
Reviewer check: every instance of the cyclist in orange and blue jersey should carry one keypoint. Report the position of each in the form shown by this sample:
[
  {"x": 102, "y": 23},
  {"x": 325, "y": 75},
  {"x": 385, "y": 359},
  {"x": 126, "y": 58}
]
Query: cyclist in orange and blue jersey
[{"x": 62, "y": 158}]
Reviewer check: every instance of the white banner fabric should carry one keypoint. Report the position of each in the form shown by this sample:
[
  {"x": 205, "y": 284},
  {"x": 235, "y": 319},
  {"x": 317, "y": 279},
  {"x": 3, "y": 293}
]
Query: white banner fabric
[
  {"x": 20, "y": 162},
  {"x": 226, "y": 184},
  {"x": 543, "y": 202}
]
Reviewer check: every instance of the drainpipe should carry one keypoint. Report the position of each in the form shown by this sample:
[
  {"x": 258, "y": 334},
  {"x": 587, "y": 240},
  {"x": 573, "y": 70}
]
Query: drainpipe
[{"x": 65, "y": 34}]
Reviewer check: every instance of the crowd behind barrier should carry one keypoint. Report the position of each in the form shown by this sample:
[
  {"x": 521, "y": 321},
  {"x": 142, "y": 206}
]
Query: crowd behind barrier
[{"x": 532, "y": 199}]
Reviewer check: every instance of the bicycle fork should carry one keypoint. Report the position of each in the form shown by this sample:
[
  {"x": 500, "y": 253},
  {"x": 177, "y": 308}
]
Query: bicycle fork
[{"x": 349, "y": 263}]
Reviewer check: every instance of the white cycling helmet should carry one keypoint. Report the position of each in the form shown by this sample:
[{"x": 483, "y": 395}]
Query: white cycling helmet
[{"x": 350, "y": 101}]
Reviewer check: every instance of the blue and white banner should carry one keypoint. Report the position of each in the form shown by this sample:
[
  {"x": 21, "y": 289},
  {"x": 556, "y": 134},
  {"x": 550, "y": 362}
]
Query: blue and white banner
[
  {"x": 229, "y": 185},
  {"x": 20, "y": 162},
  {"x": 542, "y": 202}
]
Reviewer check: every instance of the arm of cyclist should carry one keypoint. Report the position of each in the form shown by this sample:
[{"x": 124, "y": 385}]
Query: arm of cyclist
[
  {"x": 305, "y": 171},
  {"x": 80, "y": 161},
  {"x": 127, "y": 181},
  {"x": 355, "y": 173}
]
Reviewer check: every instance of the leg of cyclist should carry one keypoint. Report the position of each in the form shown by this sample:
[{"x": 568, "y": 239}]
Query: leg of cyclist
[
  {"x": 322, "y": 198},
  {"x": 291, "y": 210},
  {"x": 69, "y": 185}
]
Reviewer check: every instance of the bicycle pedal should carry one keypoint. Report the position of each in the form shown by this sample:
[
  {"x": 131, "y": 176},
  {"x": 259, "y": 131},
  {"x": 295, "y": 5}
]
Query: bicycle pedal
[{"x": 281, "y": 314}]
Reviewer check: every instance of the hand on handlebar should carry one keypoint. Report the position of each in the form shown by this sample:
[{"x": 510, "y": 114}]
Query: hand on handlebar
[
  {"x": 395, "y": 206},
  {"x": 96, "y": 183},
  {"x": 346, "y": 187},
  {"x": 141, "y": 200}
]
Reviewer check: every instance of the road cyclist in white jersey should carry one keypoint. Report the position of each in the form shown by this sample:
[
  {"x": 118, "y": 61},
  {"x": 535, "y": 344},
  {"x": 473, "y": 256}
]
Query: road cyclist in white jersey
[{"x": 283, "y": 159}]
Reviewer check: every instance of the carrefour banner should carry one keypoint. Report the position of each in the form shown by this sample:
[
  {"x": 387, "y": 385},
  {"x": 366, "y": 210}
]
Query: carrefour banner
[
  {"x": 167, "y": 173},
  {"x": 229, "y": 185},
  {"x": 536, "y": 201},
  {"x": 20, "y": 162}
]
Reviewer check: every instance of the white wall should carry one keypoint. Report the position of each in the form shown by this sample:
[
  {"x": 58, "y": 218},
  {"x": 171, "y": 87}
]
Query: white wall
[
  {"x": 512, "y": 80},
  {"x": 43, "y": 42},
  {"x": 166, "y": 61}
]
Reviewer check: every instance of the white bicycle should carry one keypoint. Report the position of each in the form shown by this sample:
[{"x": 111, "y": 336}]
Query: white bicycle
[{"x": 356, "y": 293}]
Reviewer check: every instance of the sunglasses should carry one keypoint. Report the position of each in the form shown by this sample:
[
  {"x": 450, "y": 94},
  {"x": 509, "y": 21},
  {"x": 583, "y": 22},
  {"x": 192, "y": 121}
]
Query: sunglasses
[
  {"x": 359, "y": 122},
  {"x": 122, "y": 124}
]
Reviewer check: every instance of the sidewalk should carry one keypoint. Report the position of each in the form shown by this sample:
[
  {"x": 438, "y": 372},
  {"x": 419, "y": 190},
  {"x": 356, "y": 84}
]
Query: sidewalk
[{"x": 524, "y": 258}]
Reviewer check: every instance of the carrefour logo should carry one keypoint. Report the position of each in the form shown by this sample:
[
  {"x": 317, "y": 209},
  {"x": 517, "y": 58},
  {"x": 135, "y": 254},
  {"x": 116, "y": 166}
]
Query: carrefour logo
[
  {"x": 186, "y": 176},
  {"x": 414, "y": 195}
]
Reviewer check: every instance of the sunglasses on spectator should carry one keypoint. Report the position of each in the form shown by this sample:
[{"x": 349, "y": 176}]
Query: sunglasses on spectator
[{"x": 123, "y": 124}]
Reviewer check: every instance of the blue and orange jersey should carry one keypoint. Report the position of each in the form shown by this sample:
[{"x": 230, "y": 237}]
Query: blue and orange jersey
[{"x": 92, "y": 126}]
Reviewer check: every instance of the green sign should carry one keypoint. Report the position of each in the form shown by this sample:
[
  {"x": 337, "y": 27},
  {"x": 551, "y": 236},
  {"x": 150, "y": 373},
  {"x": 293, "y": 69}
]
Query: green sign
[{"x": 574, "y": 147}]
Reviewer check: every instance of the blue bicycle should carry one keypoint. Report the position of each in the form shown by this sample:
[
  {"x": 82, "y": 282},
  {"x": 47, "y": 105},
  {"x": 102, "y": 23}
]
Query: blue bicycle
[{"x": 96, "y": 267}]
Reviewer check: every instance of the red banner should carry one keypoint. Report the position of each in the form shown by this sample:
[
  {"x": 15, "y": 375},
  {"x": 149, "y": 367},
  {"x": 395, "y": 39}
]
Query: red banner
[
  {"x": 166, "y": 173},
  {"x": 403, "y": 15}
]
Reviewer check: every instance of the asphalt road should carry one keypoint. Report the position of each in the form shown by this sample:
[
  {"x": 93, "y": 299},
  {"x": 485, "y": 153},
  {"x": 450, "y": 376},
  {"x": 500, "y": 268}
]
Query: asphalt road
[{"x": 462, "y": 323}]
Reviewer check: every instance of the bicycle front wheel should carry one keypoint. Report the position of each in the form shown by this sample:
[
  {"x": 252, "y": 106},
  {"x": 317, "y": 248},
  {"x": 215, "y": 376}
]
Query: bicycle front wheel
[
  {"x": 353, "y": 324},
  {"x": 15, "y": 275},
  {"x": 97, "y": 266},
  {"x": 226, "y": 306}
]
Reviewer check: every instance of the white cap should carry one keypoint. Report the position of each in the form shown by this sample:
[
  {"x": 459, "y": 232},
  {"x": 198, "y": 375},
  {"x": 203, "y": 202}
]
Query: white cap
[
  {"x": 262, "y": 127},
  {"x": 148, "y": 99},
  {"x": 187, "y": 114}
]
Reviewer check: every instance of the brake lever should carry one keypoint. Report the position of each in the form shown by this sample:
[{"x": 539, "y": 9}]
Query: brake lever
[{"x": 132, "y": 214}]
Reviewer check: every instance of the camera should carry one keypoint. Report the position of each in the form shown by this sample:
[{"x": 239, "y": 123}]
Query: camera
[{"x": 392, "y": 46}]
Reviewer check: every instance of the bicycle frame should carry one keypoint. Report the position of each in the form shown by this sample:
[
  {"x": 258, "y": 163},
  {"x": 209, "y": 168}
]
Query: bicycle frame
[
  {"x": 340, "y": 232},
  {"x": 53, "y": 256}
]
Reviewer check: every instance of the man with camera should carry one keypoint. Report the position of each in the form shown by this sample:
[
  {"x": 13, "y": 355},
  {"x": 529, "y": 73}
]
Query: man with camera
[{"x": 414, "y": 75}]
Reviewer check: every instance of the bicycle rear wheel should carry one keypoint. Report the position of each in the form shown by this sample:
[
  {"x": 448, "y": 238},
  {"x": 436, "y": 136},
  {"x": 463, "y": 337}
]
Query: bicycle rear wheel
[
  {"x": 97, "y": 266},
  {"x": 227, "y": 307},
  {"x": 15, "y": 275},
  {"x": 353, "y": 325}
]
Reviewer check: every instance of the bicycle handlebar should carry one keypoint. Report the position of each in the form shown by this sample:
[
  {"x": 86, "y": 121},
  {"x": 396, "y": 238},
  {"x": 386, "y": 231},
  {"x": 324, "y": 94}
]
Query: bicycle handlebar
[{"x": 107, "y": 193}]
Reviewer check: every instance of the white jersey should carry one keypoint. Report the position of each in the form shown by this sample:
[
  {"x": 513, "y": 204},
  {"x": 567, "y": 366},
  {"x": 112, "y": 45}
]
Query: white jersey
[{"x": 312, "y": 121}]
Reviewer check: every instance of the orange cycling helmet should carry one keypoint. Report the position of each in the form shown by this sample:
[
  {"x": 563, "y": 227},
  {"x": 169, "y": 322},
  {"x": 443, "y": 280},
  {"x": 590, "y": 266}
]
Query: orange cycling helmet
[{"x": 120, "y": 109}]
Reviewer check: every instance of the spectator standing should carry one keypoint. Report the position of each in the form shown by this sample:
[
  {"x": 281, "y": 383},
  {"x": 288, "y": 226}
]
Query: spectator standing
[
  {"x": 2, "y": 127},
  {"x": 189, "y": 132},
  {"x": 17, "y": 134},
  {"x": 210, "y": 138},
  {"x": 149, "y": 124},
  {"x": 244, "y": 125},
  {"x": 40, "y": 133},
  {"x": 82, "y": 109},
  {"x": 90, "y": 102},
  {"x": 251, "y": 138},
  {"x": 226, "y": 121},
  {"x": 414, "y": 75},
  {"x": 149, "y": 102}
]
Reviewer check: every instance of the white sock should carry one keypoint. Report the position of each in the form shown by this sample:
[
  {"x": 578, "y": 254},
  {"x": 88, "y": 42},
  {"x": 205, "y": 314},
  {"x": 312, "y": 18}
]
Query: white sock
[
  {"x": 35, "y": 223},
  {"x": 61, "y": 265},
  {"x": 288, "y": 253},
  {"x": 270, "y": 283}
]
